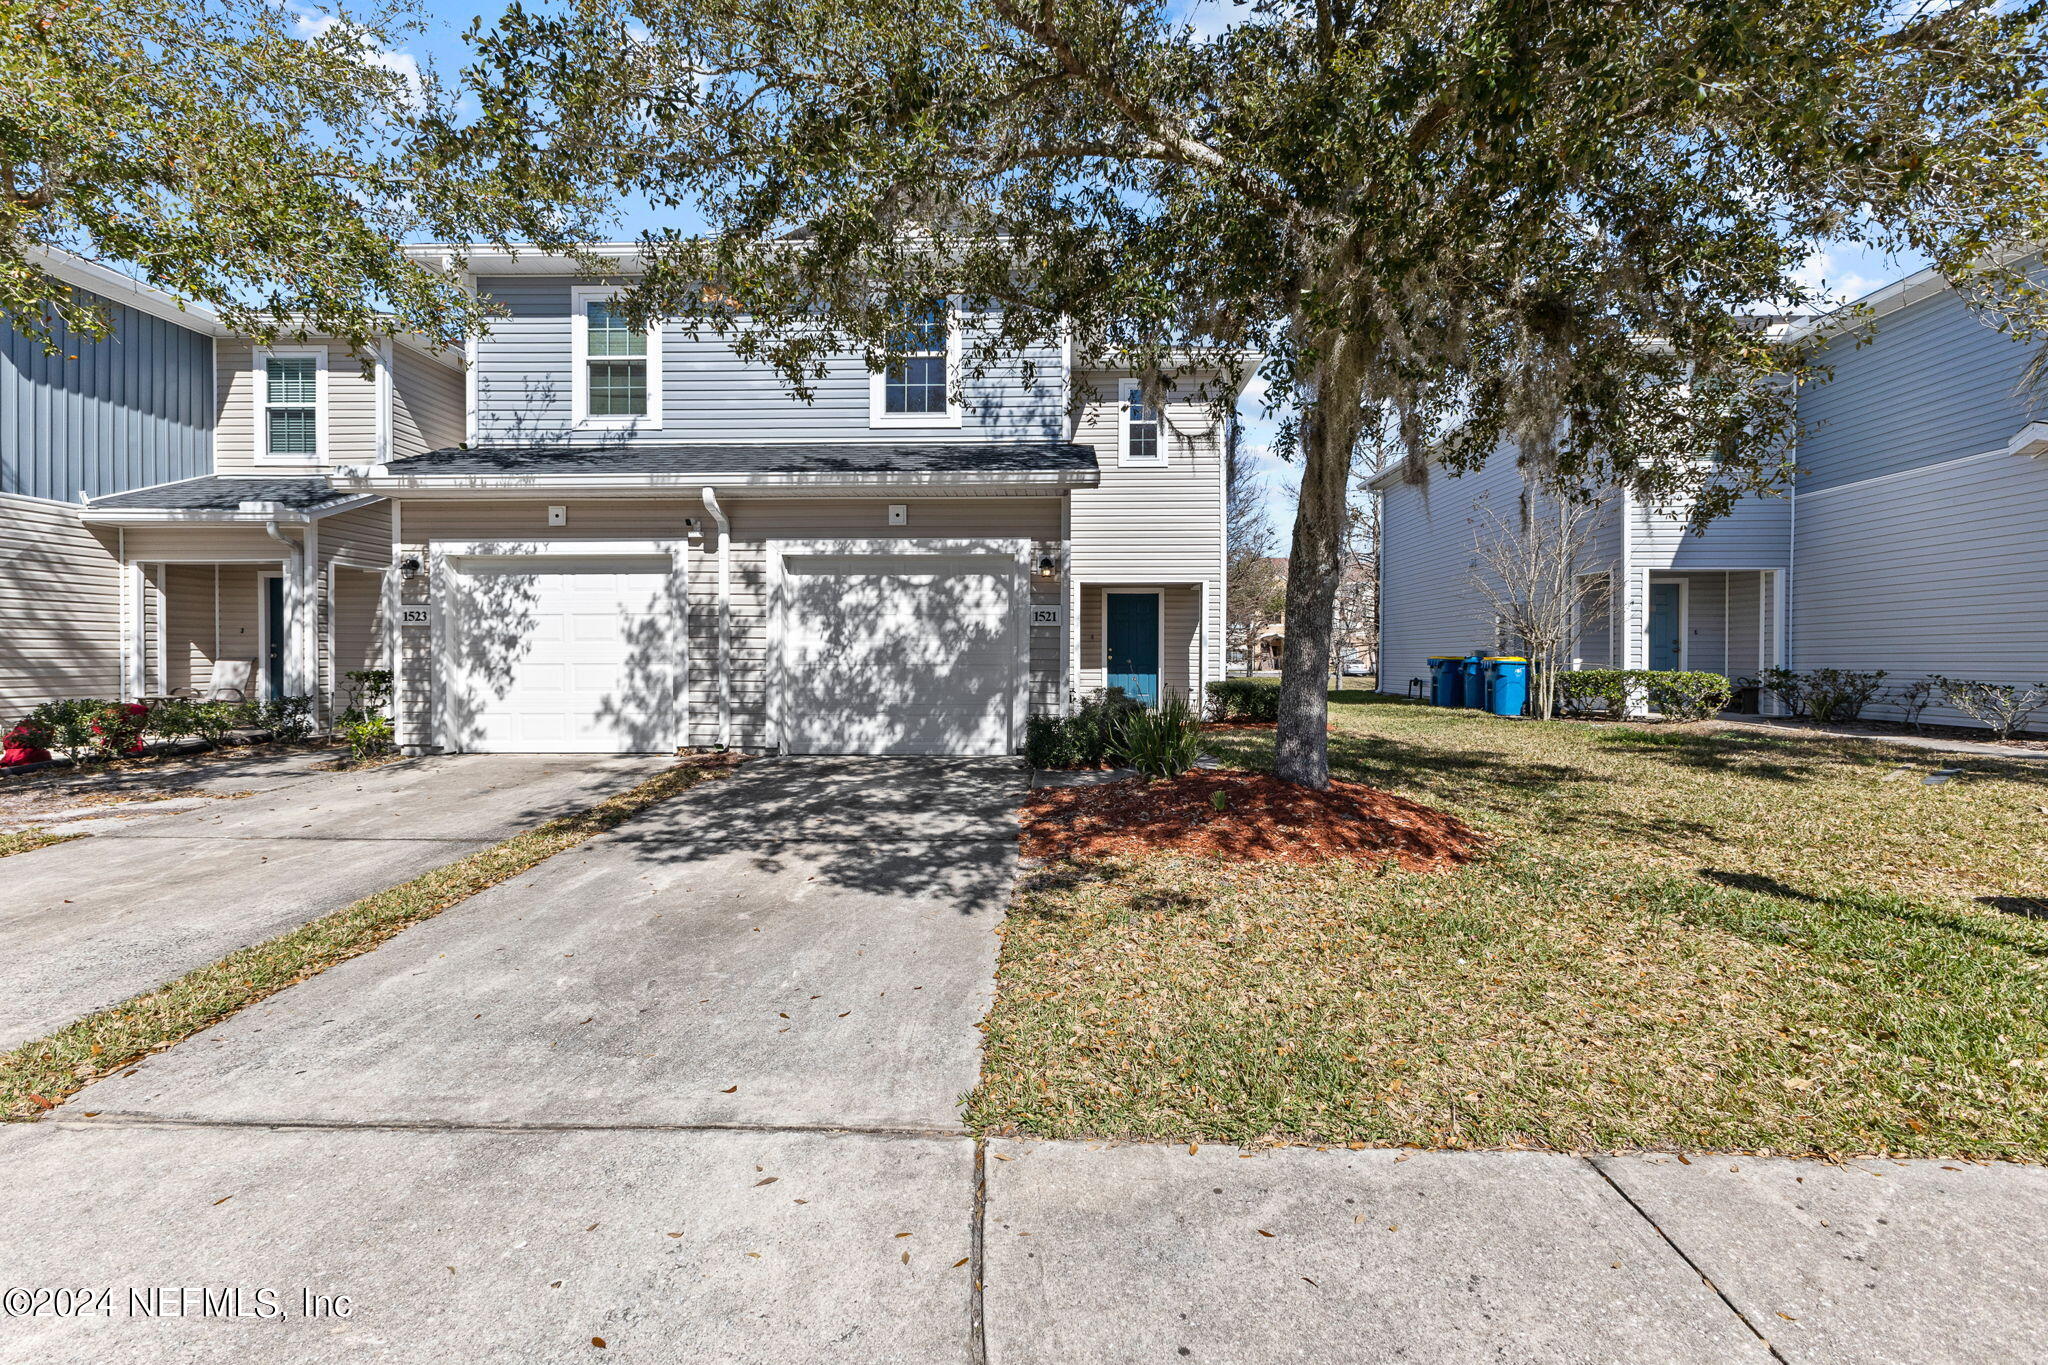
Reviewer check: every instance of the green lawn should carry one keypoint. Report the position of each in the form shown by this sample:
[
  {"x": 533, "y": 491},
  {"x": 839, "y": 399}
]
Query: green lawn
[{"x": 1679, "y": 938}]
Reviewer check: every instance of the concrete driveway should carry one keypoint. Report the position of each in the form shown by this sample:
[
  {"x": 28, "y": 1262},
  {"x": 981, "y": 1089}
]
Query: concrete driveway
[
  {"x": 150, "y": 896},
  {"x": 690, "y": 1091}
]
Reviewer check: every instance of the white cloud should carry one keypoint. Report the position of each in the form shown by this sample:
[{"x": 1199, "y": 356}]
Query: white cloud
[
  {"x": 1834, "y": 275},
  {"x": 312, "y": 24}
]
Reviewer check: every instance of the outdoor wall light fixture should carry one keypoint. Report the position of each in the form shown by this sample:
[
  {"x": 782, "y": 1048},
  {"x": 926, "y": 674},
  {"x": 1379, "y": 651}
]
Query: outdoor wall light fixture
[
  {"x": 410, "y": 566},
  {"x": 1047, "y": 566}
]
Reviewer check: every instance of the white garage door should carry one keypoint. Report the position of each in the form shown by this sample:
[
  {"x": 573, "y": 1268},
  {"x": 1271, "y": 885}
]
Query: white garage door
[
  {"x": 899, "y": 654},
  {"x": 561, "y": 655}
]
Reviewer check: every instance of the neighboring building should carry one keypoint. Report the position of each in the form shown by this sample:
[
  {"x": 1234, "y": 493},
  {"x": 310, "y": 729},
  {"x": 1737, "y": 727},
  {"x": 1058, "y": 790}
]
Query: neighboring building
[
  {"x": 1915, "y": 538},
  {"x": 166, "y": 520},
  {"x": 647, "y": 543}
]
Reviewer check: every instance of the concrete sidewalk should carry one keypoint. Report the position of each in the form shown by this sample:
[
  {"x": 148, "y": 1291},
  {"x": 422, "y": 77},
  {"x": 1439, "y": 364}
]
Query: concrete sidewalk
[
  {"x": 691, "y": 1091},
  {"x": 89, "y": 923}
]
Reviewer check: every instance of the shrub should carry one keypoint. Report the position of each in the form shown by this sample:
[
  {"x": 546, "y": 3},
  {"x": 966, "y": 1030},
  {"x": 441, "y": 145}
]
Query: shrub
[
  {"x": 289, "y": 719},
  {"x": 1586, "y": 689},
  {"x": 68, "y": 725},
  {"x": 1244, "y": 699},
  {"x": 369, "y": 693},
  {"x": 2001, "y": 708},
  {"x": 1914, "y": 697},
  {"x": 1162, "y": 742},
  {"x": 214, "y": 721},
  {"x": 1686, "y": 695},
  {"x": 1049, "y": 743},
  {"x": 118, "y": 727},
  {"x": 1094, "y": 722},
  {"x": 1788, "y": 687},
  {"x": 1839, "y": 693},
  {"x": 368, "y": 736}
]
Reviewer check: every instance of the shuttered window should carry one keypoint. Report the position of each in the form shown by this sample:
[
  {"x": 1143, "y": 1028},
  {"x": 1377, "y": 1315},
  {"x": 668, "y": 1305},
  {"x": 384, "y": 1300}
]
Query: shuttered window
[{"x": 291, "y": 407}]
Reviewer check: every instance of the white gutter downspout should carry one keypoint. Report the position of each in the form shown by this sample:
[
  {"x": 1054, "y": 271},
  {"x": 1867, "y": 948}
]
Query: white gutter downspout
[{"x": 724, "y": 616}]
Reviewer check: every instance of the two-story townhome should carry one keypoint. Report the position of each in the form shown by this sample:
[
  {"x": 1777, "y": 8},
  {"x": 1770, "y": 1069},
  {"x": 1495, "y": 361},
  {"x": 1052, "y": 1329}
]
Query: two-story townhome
[
  {"x": 1656, "y": 595},
  {"x": 645, "y": 542},
  {"x": 167, "y": 523},
  {"x": 1914, "y": 538}
]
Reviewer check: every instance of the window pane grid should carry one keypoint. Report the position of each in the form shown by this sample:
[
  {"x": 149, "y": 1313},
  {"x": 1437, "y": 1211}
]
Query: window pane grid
[
  {"x": 618, "y": 388},
  {"x": 610, "y": 336},
  {"x": 1142, "y": 430}
]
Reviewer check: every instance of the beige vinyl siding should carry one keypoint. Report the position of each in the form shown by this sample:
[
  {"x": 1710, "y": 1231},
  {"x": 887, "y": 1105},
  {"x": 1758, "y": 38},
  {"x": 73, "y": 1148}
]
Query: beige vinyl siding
[
  {"x": 364, "y": 535},
  {"x": 426, "y": 404},
  {"x": 356, "y": 628},
  {"x": 1149, "y": 527},
  {"x": 351, "y": 434},
  {"x": 211, "y": 615},
  {"x": 60, "y": 608},
  {"x": 757, "y": 525},
  {"x": 1180, "y": 655}
]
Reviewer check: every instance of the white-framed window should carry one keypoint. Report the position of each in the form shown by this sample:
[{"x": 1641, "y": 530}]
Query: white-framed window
[
  {"x": 1143, "y": 445},
  {"x": 618, "y": 366},
  {"x": 917, "y": 391},
  {"x": 291, "y": 404}
]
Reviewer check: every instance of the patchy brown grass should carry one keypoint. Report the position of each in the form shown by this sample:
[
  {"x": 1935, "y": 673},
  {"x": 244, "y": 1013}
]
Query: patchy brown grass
[
  {"x": 29, "y": 840},
  {"x": 36, "y": 1076},
  {"x": 1675, "y": 938}
]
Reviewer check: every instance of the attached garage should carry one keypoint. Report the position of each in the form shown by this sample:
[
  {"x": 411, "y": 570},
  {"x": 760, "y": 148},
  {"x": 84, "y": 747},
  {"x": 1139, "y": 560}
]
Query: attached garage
[
  {"x": 894, "y": 649},
  {"x": 579, "y": 652}
]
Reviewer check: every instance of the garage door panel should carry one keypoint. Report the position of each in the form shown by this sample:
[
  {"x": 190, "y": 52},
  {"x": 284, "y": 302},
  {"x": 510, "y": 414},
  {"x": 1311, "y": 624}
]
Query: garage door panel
[
  {"x": 562, "y": 655},
  {"x": 899, "y": 654}
]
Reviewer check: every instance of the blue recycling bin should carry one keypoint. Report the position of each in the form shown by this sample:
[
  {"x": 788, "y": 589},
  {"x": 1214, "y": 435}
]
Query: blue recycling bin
[
  {"x": 1507, "y": 684},
  {"x": 1443, "y": 679},
  {"x": 1472, "y": 682}
]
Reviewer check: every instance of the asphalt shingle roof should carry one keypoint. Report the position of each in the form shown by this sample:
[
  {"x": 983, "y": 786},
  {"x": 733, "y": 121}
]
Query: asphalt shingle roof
[
  {"x": 215, "y": 493},
  {"x": 648, "y": 457}
]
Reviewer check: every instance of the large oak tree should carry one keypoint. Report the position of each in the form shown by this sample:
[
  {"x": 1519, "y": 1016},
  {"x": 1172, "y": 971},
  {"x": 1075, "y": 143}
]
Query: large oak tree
[{"x": 1453, "y": 223}]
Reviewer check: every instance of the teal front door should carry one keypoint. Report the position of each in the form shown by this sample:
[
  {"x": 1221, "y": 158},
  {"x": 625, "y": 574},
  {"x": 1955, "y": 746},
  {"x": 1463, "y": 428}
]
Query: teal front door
[
  {"x": 1667, "y": 626},
  {"x": 1132, "y": 633}
]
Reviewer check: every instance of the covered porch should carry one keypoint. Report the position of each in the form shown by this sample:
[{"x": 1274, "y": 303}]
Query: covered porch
[
  {"x": 1726, "y": 621},
  {"x": 1150, "y": 639},
  {"x": 248, "y": 589}
]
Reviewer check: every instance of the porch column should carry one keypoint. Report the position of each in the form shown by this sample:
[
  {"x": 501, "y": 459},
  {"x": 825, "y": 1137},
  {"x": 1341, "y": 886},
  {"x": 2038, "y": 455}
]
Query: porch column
[
  {"x": 304, "y": 619},
  {"x": 134, "y": 631}
]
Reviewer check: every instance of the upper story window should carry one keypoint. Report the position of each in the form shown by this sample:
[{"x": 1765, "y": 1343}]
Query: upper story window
[
  {"x": 618, "y": 371},
  {"x": 916, "y": 391},
  {"x": 291, "y": 400},
  {"x": 1141, "y": 437}
]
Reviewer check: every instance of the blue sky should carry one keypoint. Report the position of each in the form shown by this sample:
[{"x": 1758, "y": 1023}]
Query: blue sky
[{"x": 1846, "y": 274}]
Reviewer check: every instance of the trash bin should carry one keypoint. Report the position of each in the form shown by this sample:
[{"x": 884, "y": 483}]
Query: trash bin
[
  {"x": 1472, "y": 682},
  {"x": 1443, "y": 679},
  {"x": 1507, "y": 684}
]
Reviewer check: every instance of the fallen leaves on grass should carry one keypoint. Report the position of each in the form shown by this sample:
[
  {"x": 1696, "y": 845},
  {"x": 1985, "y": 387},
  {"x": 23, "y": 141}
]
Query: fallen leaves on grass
[
  {"x": 1258, "y": 818},
  {"x": 29, "y": 840}
]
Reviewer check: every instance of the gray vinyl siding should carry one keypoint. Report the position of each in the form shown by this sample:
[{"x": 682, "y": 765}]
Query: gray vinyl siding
[
  {"x": 1757, "y": 534},
  {"x": 1148, "y": 527},
  {"x": 129, "y": 411},
  {"x": 60, "y": 607},
  {"x": 1428, "y": 604},
  {"x": 1933, "y": 384},
  {"x": 1942, "y": 569},
  {"x": 757, "y": 525},
  {"x": 525, "y": 386}
]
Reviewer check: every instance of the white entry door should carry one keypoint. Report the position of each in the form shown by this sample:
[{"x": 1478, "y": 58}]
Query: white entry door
[
  {"x": 899, "y": 653},
  {"x": 557, "y": 654}
]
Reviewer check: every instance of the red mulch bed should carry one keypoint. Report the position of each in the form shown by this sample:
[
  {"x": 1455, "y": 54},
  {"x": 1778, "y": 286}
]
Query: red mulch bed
[{"x": 1265, "y": 820}]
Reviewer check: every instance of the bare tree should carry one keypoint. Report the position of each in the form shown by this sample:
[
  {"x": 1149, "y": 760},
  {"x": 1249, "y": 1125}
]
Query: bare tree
[
  {"x": 1256, "y": 595},
  {"x": 1528, "y": 569}
]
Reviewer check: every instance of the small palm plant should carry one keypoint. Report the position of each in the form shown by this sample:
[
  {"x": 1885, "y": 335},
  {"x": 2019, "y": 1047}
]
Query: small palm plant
[{"x": 1162, "y": 742}]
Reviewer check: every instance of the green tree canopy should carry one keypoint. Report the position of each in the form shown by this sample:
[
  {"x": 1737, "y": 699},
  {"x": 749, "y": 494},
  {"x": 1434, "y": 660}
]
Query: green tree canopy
[
  {"x": 1463, "y": 223},
  {"x": 260, "y": 158}
]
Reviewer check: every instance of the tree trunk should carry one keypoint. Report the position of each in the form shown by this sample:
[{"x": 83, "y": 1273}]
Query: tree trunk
[{"x": 1331, "y": 417}]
